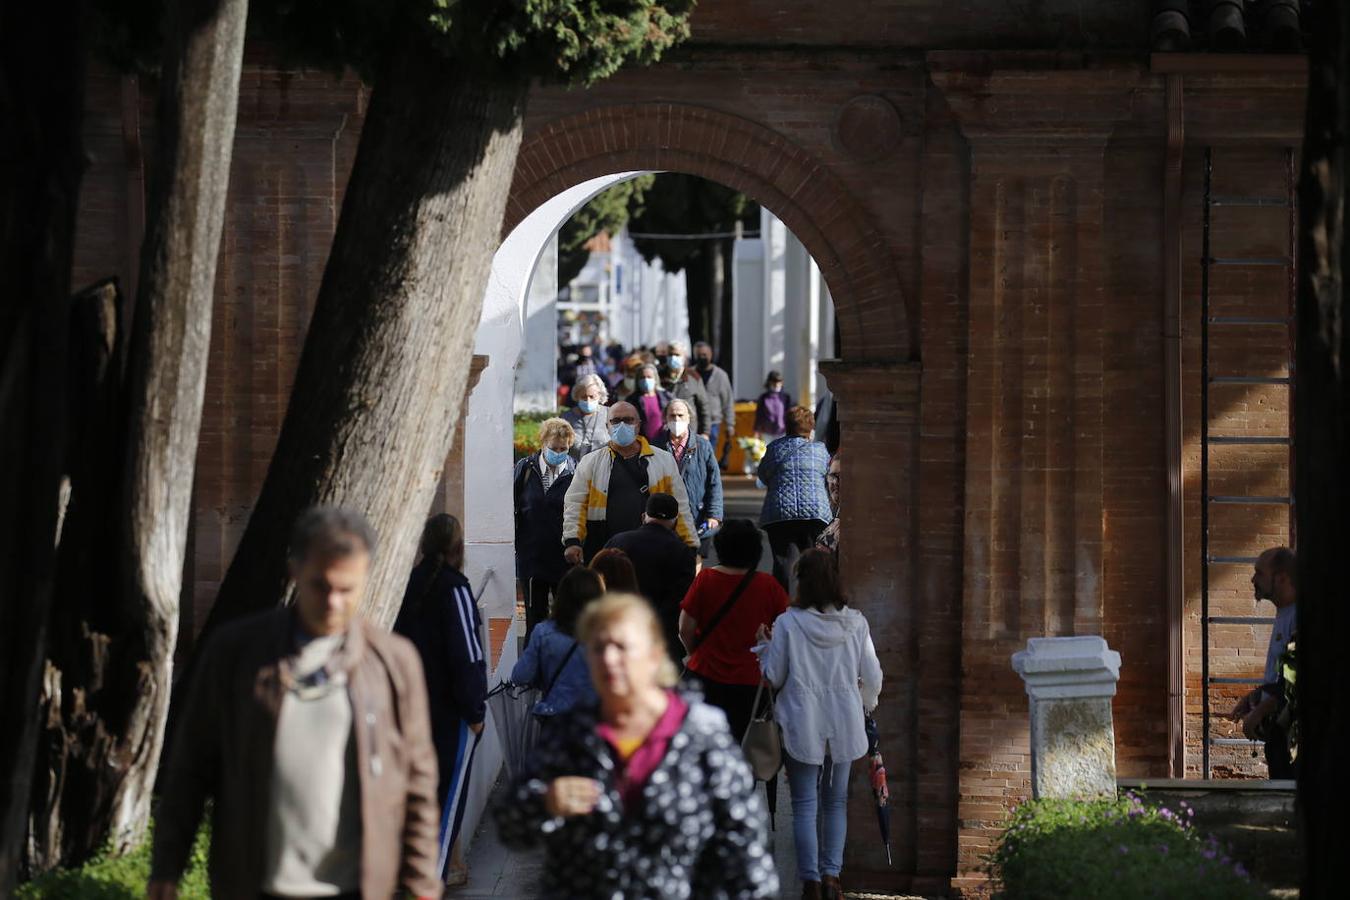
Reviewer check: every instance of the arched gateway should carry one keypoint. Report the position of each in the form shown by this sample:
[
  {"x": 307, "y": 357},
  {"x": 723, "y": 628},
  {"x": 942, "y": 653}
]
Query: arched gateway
[{"x": 1026, "y": 222}]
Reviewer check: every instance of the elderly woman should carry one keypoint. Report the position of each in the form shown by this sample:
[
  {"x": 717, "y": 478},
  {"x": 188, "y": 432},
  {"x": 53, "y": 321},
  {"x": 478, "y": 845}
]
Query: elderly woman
[
  {"x": 645, "y": 795},
  {"x": 697, "y": 461},
  {"x": 540, "y": 485},
  {"x": 797, "y": 502},
  {"x": 650, "y": 400},
  {"x": 590, "y": 417}
]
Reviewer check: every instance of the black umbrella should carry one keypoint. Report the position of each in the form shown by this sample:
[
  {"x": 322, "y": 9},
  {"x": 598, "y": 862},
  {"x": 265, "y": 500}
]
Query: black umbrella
[{"x": 880, "y": 790}]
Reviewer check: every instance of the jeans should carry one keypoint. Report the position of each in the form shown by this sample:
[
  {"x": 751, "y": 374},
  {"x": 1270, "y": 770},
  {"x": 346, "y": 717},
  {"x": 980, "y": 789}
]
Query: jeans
[{"x": 826, "y": 796}]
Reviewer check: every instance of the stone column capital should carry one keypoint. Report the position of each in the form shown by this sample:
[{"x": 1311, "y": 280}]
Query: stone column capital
[
  {"x": 874, "y": 392},
  {"x": 1057, "y": 668}
]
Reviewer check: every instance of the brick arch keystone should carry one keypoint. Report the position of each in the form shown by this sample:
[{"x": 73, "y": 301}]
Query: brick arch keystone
[{"x": 797, "y": 187}]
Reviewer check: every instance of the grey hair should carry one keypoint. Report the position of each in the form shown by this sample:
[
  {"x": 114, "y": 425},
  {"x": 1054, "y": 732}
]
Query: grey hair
[
  {"x": 333, "y": 530},
  {"x": 586, "y": 381},
  {"x": 671, "y": 405}
]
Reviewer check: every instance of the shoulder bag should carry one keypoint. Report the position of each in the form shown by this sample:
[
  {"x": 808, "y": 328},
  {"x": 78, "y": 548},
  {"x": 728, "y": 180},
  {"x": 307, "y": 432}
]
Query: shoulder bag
[{"x": 763, "y": 743}]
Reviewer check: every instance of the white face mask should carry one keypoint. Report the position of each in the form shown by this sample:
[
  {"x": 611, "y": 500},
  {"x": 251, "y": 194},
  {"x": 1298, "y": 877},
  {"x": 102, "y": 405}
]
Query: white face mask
[{"x": 678, "y": 428}]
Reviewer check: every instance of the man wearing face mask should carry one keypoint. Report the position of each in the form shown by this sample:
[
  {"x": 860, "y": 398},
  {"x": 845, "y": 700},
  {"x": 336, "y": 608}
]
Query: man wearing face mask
[
  {"x": 698, "y": 466},
  {"x": 650, "y": 400},
  {"x": 609, "y": 492},
  {"x": 590, "y": 417},
  {"x": 685, "y": 384},
  {"x": 721, "y": 400}
]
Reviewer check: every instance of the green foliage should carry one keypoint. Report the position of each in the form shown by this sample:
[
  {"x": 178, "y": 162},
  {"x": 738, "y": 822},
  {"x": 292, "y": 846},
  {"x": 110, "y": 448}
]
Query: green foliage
[
  {"x": 568, "y": 41},
  {"x": 110, "y": 877},
  {"x": 607, "y": 211},
  {"x": 687, "y": 204},
  {"x": 1112, "y": 850}
]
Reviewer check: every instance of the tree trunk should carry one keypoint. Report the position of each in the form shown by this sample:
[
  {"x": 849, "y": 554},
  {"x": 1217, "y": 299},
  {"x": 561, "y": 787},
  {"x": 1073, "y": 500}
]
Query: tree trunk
[
  {"x": 381, "y": 378},
  {"x": 1322, "y": 490},
  {"x": 106, "y": 686},
  {"x": 725, "y": 341},
  {"x": 41, "y": 108},
  {"x": 700, "y": 276}
]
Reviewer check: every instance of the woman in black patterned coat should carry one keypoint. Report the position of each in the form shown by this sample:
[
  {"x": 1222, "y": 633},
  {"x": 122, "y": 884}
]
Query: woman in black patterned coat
[{"x": 646, "y": 796}]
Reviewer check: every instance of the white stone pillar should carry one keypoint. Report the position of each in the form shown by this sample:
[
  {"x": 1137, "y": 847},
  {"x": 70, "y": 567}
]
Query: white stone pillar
[
  {"x": 1071, "y": 681},
  {"x": 537, "y": 370}
]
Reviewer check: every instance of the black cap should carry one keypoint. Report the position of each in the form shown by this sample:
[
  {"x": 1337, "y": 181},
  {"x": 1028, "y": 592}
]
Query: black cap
[{"x": 663, "y": 506}]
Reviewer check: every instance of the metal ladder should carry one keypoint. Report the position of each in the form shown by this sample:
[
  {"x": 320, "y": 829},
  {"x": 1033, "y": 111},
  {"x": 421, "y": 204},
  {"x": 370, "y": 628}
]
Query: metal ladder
[{"x": 1208, "y": 321}]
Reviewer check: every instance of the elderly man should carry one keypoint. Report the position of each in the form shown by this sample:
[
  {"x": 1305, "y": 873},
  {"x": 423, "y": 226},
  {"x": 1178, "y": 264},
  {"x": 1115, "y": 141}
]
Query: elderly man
[
  {"x": 698, "y": 467},
  {"x": 721, "y": 401},
  {"x": 609, "y": 492},
  {"x": 1275, "y": 579},
  {"x": 308, "y": 727}
]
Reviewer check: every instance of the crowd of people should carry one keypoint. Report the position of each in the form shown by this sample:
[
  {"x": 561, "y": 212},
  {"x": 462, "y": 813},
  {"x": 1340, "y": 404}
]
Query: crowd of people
[{"x": 335, "y": 756}]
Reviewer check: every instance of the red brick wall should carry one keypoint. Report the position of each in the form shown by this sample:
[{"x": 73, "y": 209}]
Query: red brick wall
[{"x": 990, "y": 231}]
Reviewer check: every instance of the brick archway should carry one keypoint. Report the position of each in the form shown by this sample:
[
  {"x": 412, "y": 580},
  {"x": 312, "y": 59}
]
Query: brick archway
[{"x": 798, "y": 188}]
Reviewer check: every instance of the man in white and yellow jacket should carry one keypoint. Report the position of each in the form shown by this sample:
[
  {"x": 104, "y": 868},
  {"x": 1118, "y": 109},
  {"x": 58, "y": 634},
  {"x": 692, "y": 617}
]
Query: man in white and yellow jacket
[{"x": 610, "y": 489}]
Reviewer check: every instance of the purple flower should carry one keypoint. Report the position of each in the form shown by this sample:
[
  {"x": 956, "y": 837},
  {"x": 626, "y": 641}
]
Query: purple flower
[
  {"x": 1209, "y": 853},
  {"x": 1124, "y": 849}
]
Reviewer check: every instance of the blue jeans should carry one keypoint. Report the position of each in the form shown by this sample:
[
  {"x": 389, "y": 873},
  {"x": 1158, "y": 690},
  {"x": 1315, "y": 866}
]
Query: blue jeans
[{"x": 824, "y": 796}]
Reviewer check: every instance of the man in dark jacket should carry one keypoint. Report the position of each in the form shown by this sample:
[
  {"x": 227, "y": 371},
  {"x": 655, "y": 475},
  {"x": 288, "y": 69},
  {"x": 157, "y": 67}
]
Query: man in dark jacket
[
  {"x": 540, "y": 483},
  {"x": 665, "y": 564},
  {"x": 309, "y": 729}
]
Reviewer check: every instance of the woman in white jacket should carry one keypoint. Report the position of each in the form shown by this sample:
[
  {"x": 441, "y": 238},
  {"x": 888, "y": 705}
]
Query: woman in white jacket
[{"x": 820, "y": 657}]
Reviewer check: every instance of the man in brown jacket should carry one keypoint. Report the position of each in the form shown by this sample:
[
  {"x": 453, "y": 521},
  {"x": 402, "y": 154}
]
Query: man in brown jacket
[{"x": 308, "y": 728}]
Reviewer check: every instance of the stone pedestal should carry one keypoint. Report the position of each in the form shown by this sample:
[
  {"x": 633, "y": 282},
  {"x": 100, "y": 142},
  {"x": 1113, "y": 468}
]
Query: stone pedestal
[{"x": 1070, "y": 681}]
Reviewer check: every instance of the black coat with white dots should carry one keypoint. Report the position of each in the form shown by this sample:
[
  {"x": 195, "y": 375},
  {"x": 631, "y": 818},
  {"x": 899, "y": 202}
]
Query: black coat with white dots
[{"x": 699, "y": 829}]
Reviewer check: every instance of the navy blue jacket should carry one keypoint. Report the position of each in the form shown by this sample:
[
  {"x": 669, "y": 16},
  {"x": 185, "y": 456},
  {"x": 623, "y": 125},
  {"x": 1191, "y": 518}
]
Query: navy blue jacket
[
  {"x": 702, "y": 478},
  {"x": 440, "y": 618},
  {"x": 793, "y": 469},
  {"x": 539, "y": 519}
]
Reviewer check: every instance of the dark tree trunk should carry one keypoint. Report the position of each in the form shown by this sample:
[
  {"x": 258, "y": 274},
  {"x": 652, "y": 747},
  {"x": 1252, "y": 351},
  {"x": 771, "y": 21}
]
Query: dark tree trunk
[
  {"x": 725, "y": 340},
  {"x": 381, "y": 378},
  {"x": 700, "y": 276},
  {"x": 41, "y": 108},
  {"x": 106, "y": 684},
  {"x": 1323, "y": 458}
]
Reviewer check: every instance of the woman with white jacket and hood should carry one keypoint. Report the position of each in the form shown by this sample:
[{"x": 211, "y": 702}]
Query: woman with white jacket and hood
[{"x": 819, "y": 656}]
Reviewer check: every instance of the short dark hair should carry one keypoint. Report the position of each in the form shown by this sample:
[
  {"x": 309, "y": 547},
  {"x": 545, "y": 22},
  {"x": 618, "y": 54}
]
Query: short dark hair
[
  {"x": 818, "y": 581},
  {"x": 774, "y": 377},
  {"x": 739, "y": 544},
  {"x": 800, "y": 421},
  {"x": 613, "y": 565},
  {"x": 443, "y": 540},
  {"x": 663, "y": 506},
  {"x": 334, "y": 531},
  {"x": 1284, "y": 562},
  {"x": 576, "y": 589}
]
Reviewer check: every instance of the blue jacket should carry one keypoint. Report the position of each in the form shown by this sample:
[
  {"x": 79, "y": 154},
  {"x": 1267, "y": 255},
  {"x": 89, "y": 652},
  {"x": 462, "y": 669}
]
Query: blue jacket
[
  {"x": 793, "y": 469},
  {"x": 702, "y": 478},
  {"x": 539, "y": 519},
  {"x": 546, "y": 651},
  {"x": 441, "y": 619}
]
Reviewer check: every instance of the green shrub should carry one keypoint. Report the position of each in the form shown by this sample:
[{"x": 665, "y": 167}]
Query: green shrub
[
  {"x": 109, "y": 877},
  {"x": 1112, "y": 850}
]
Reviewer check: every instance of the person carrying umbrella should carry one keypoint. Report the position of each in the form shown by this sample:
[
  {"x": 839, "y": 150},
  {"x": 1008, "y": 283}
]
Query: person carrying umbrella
[{"x": 819, "y": 655}]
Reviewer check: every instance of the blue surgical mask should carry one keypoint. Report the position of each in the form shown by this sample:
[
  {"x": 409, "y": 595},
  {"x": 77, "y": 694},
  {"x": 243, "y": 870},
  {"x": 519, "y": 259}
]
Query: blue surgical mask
[
  {"x": 648, "y": 384},
  {"x": 587, "y": 406},
  {"x": 677, "y": 362},
  {"x": 623, "y": 434},
  {"x": 555, "y": 457}
]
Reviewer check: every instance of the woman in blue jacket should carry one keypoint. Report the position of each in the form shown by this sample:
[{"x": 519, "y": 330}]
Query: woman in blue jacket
[
  {"x": 552, "y": 661},
  {"x": 702, "y": 476},
  {"x": 440, "y": 617},
  {"x": 797, "y": 500}
]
